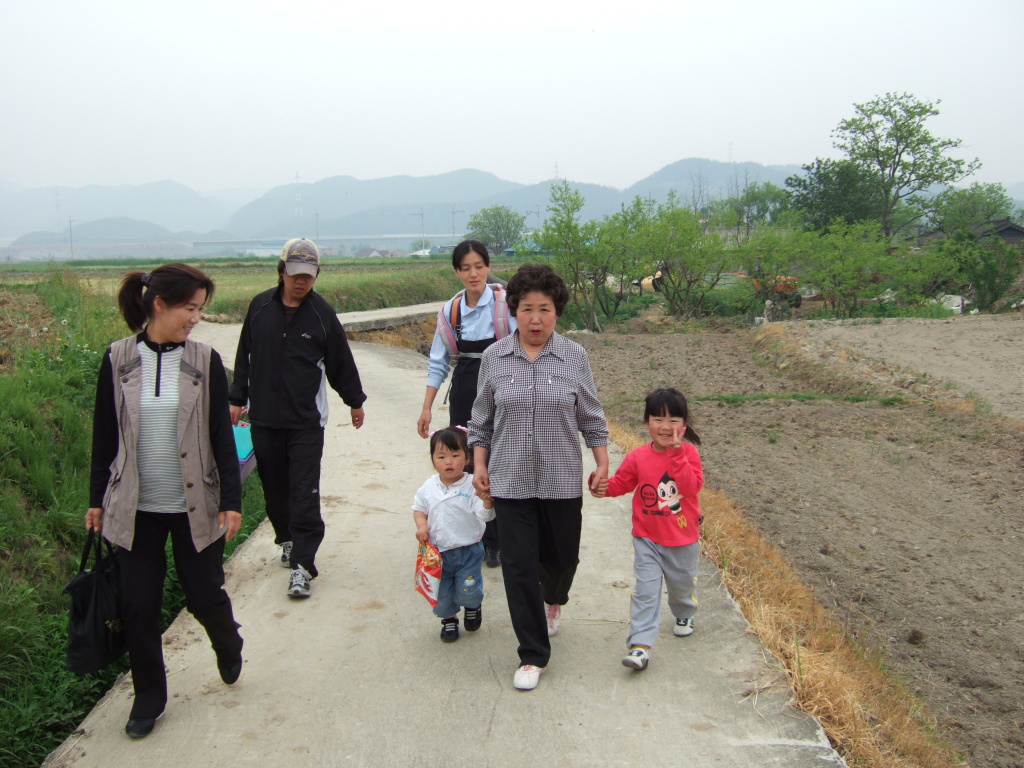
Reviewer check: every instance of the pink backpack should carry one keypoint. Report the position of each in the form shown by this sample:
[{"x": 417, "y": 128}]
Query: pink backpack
[{"x": 449, "y": 324}]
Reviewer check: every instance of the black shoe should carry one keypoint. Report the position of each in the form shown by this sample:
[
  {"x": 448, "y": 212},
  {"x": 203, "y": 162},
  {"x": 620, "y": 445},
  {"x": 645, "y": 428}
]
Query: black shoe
[
  {"x": 492, "y": 557},
  {"x": 229, "y": 672},
  {"x": 449, "y": 630},
  {"x": 140, "y": 727},
  {"x": 473, "y": 618}
]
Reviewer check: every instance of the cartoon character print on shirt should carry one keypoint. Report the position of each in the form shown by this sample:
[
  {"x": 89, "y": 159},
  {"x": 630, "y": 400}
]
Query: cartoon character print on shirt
[{"x": 663, "y": 500}]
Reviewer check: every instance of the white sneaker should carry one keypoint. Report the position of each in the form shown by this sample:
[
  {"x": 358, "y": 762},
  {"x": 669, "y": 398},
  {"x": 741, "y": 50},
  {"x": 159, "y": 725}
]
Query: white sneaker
[
  {"x": 527, "y": 677},
  {"x": 298, "y": 583},
  {"x": 286, "y": 555},
  {"x": 554, "y": 617},
  {"x": 637, "y": 658},
  {"x": 683, "y": 628}
]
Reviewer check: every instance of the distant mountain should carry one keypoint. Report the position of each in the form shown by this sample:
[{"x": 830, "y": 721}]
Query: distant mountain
[
  {"x": 438, "y": 217},
  {"x": 339, "y": 197},
  {"x": 338, "y": 206},
  {"x": 165, "y": 203},
  {"x": 716, "y": 178},
  {"x": 115, "y": 231}
]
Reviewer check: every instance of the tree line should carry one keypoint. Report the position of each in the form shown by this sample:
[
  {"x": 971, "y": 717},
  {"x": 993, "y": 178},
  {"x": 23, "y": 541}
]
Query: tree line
[{"x": 850, "y": 229}]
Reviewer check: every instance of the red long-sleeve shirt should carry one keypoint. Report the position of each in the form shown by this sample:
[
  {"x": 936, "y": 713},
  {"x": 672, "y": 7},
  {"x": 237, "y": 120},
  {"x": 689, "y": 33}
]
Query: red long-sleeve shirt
[{"x": 665, "y": 507}]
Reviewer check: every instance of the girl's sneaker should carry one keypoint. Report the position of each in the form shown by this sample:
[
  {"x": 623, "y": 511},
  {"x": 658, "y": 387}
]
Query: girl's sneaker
[
  {"x": 683, "y": 628},
  {"x": 473, "y": 618},
  {"x": 449, "y": 630},
  {"x": 637, "y": 658},
  {"x": 553, "y": 614}
]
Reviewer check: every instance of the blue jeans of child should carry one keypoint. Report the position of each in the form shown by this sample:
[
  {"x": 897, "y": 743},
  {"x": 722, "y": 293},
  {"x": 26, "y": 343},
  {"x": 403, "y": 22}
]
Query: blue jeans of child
[{"x": 462, "y": 583}]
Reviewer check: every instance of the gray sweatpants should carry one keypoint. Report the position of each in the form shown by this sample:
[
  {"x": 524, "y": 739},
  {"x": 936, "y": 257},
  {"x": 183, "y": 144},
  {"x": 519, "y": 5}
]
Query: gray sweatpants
[{"x": 651, "y": 563}]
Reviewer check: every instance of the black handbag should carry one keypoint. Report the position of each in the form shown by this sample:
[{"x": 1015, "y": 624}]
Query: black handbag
[{"x": 95, "y": 628}]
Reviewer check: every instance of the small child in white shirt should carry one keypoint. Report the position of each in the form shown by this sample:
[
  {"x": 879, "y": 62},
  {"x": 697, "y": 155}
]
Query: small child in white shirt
[{"x": 450, "y": 515}]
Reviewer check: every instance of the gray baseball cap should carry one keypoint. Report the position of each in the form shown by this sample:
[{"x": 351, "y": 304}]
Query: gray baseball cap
[{"x": 301, "y": 257}]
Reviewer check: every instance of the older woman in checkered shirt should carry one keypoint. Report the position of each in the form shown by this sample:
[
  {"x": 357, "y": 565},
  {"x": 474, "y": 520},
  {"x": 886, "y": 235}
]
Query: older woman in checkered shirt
[{"x": 535, "y": 394}]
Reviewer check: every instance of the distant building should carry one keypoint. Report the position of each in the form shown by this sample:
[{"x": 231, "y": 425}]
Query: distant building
[{"x": 1010, "y": 231}]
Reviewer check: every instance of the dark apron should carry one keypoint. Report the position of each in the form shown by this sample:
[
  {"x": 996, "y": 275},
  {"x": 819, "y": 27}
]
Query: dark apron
[{"x": 463, "y": 390}]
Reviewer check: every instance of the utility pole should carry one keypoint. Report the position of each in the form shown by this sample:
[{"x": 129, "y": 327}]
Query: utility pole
[
  {"x": 71, "y": 239},
  {"x": 423, "y": 231},
  {"x": 453, "y": 223}
]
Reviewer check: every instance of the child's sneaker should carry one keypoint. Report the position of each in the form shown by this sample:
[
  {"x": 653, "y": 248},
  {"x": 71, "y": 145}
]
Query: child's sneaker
[
  {"x": 286, "y": 555},
  {"x": 553, "y": 614},
  {"x": 637, "y": 658},
  {"x": 449, "y": 630},
  {"x": 683, "y": 628},
  {"x": 473, "y": 618}
]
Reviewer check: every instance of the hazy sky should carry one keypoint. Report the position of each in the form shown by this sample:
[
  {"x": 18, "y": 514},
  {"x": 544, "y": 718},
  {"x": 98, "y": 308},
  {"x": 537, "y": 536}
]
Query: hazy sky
[{"x": 225, "y": 94}]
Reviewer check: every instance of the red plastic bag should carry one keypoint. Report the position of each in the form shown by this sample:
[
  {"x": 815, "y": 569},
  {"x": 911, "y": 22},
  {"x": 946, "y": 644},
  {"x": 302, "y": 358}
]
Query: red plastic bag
[{"x": 428, "y": 572}]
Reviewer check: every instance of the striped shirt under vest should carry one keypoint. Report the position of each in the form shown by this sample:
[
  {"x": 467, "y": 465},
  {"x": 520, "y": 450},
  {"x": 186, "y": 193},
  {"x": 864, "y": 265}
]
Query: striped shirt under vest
[{"x": 161, "y": 487}]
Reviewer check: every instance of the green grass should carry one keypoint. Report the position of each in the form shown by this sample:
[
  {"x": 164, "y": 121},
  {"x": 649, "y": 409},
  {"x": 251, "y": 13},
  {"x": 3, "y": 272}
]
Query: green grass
[
  {"x": 350, "y": 285},
  {"x": 53, "y": 348}
]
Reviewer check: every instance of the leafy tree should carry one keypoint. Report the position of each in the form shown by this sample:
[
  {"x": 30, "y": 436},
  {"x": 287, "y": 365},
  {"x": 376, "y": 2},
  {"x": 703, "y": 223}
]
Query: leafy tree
[
  {"x": 621, "y": 238},
  {"x": 573, "y": 250},
  {"x": 691, "y": 259},
  {"x": 956, "y": 209},
  {"x": 888, "y": 138},
  {"x": 768, "y": 255},
  {"x": 834, "y": 189},
  {"x": 756, "y": 204},
  {"x": 498, "y": 226},
  {"x": 847, "y": 264},
  {"x": 419, "y": 245},
  {"x": 993, "y": 270},
  {"x": 930, "y": 271}
]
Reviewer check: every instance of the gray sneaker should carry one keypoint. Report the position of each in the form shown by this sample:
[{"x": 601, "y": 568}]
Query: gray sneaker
[
  {"x": 683, "y": 628},
  {"x": 637, "y": 658},
  {"x": 298, "y": 583},
  {"x": 286, "y": 555}
]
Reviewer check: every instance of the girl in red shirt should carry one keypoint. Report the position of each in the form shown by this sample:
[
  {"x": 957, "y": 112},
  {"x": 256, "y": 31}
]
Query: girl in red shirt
[{"x": 665, "y": 476}]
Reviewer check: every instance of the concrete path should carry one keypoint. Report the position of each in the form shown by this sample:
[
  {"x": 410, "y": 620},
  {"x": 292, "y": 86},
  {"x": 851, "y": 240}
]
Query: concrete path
[{"x": 357, "y": 676}]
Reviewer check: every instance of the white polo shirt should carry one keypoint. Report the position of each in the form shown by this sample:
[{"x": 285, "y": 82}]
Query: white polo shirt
[{"x": 455, "y": 514}]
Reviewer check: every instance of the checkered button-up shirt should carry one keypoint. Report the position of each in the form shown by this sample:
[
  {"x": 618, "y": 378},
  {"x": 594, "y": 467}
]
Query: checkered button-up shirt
[{"x": 528, "y": 413}]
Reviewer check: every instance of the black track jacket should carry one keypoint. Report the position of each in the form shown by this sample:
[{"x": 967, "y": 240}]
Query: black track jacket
[{"x": 283, "y": 372}]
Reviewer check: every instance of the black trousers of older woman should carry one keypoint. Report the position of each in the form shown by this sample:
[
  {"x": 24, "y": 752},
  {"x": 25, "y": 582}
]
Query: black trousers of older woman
[
  {"x": 540, "y": 549},
  {"x": 201, "y": 574}
]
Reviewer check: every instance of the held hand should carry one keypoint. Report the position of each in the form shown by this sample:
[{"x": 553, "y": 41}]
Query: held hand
[
  {"x": 358, "y": 416},
  {"x": 422, "y": 535},
  {"x": 94, "y": 519},
  {"x": 598, "y": 477},
  {"x": 423, "y": 425},
  {"x": 236, "y": 413},
  {"x": 233, "y": 520},
  {"x": 481, "y": 481}
]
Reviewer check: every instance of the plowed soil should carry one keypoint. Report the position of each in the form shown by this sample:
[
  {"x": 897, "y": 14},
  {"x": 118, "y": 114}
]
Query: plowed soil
[{"x": 886, "y": 461}]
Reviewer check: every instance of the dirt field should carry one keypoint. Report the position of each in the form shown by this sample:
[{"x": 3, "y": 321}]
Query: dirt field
[{"x": 906, "y": 517}]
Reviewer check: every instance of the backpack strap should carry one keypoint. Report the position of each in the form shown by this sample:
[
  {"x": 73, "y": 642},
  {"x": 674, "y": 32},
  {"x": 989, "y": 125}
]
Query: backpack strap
[
  {"x": 449, "y": 326},
  {"x": 502, "y": 324}
]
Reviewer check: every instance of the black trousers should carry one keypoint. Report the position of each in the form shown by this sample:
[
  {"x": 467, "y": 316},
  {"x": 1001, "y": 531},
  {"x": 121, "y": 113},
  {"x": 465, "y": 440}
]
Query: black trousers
[
  {"x": 540, "y": 549},
  {"x": 460, "y": 407},
  {"x": 201, "y": 574},
  {"x": 288, "y": 462}
]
